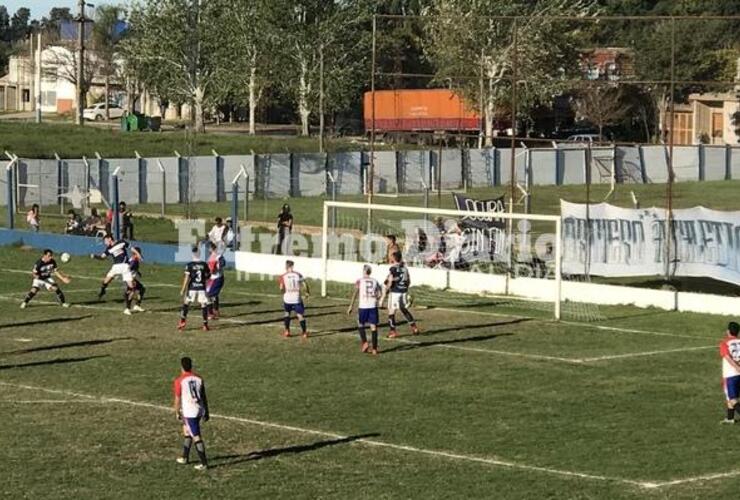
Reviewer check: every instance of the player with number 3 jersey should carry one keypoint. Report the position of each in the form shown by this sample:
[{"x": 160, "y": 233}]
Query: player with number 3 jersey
[{"x": 194, "y": 282}]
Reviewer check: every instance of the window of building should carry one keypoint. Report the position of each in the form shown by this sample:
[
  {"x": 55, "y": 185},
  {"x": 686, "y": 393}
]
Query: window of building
[{"x": 26, "y": 95}]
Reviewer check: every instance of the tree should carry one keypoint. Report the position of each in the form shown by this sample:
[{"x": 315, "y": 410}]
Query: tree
[
  {"x": 107, "y": 34},
  {"x": 251, "y": 59},
  {"x": 20, "y": 24},
  {"x": 600, "y": 104},
  {"x": 175, "y": 48},
  {"x": 463, "y": 40},
  {"x": 336, "y": 31}
]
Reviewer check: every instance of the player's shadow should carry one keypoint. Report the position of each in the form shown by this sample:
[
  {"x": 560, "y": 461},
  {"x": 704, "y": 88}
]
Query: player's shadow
[
  {"x": 270, "y": 321},
  {"x": 275, "y": 311},
  {"x": 475, "y": 326},
  {"x": 433, "y": 343},
  {"x": 196, "y": 307},
  {"x": 231, "y": 460},
  {"x": 47, "y": 321},
  {"x": 81, "y": 343},
  {"x": 57, "y": 361}
]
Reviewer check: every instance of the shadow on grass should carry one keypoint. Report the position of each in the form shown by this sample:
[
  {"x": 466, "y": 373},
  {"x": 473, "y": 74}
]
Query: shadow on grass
[
  {"x": 459, "y": 328},
  {"x": 433, "y": 343},
  {"x": 178, "y": 306},
  {"x": 82, "y": 343},
  {"x": 231, "y": 460},
  {"x": 309, "y": 308},
  {"x": 44, "y": 321},
  {"x": 242, "y": 324},
  {"x": 57, "y": 361}
]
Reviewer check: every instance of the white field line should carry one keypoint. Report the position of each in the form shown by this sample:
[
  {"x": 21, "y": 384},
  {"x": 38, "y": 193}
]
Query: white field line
[
  {"x": 648, "y": 353},
  {"x": 49, "y": 401},
  {"x": 368, "y": 442}
]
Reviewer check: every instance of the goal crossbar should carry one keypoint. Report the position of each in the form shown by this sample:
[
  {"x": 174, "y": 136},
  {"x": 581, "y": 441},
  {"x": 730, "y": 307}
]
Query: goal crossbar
[{"x": 371, "y": 207}]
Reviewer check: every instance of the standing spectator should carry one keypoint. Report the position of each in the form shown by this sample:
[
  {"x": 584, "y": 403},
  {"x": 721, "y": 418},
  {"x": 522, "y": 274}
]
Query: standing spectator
[
  {"x": 391, "y": 246},
  {"x": 230, "y": 236},
  {"x": 94, "y": 223},
  {"x": 285, "y": 228},
  {"x": 217, "y": 234},
  {"x": 73, "y": 224},
  {"x": 33, "y": 219},
  {"x": 126, "y": 221}
]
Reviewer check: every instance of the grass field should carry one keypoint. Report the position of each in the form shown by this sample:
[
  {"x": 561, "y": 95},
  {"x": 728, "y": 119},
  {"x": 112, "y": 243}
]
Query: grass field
[{"x": 494, "y": 400}]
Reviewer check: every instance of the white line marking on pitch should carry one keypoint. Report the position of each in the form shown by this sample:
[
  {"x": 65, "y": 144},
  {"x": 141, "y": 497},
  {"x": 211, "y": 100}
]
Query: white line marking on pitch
[
  {"x": 50, "y": 401},
  {"x": 648, "y": 353},
  {"x": 23, "y": 340},
  {"x": 368, "y": 442}
]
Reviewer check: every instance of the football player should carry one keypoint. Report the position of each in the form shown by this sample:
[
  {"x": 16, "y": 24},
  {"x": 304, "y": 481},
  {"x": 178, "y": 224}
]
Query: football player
[
  {"x": 43, "y": 272},
  {"x": 291, "y": 284},
  {"x": 729, "y": 350},
  {"x": 369, "y": 292},
  {"x": 118, "y": 251},
  {"x": 194, "y": 282},
  {"x": 191, "y": 405},
  {"x": 397, "y": 287},
  {"x": 216, "y": 265},
  {"x": 139, "y": 288}
]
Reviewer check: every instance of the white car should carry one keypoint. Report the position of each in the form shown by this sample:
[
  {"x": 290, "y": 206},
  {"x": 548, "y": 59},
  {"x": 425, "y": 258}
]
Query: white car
[{"x": 97, "y": 112}]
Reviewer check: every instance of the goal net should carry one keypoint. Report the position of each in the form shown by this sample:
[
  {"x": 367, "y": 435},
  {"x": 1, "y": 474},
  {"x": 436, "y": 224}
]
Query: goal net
[{"x": 475, "y": 251}]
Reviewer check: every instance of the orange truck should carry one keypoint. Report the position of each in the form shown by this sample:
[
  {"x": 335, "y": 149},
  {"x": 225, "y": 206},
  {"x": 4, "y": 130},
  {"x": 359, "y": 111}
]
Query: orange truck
[{"x": 419, "y": 110}]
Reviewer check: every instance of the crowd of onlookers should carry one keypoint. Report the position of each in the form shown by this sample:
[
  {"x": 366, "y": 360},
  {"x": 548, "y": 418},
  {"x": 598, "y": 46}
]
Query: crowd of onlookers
[{"x": 95, "y": 224}]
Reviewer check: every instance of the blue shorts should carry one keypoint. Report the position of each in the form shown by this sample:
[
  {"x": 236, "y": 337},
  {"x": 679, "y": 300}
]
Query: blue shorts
[
  {"x": 368, "y": 316},
  {"x": 732, "y": 387},
  {"x": 192, "y": 425},
  {"x": 213, "y": 287},
  {"x": 298, "y": 308}
]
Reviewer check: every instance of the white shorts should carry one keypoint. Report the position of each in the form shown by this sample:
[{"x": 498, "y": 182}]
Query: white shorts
[
  {"x": 122, "y": 270},
  {"x": 397, "y": 301},
  {"x": 198, "y": 296},
  {"x": 48, "y": 283}
]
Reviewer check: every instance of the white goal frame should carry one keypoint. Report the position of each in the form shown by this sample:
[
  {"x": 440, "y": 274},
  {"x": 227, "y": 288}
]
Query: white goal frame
[{"x": 445, "y": 212}]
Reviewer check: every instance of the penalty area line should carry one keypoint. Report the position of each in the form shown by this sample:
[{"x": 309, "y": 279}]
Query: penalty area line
[{"x": 496, "y": 462}]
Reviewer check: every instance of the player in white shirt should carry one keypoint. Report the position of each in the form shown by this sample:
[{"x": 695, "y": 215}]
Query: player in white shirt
[
  {"x": 292, "y": 284},
  {"x": 191, "y": 405},
  {"x": 729, "y": 350},
  {"x": 369, "y": 291}
]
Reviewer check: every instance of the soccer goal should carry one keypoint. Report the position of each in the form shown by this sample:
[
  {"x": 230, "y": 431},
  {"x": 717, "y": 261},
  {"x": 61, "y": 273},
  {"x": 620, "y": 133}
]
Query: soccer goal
[{"x": 478, "y": 251}]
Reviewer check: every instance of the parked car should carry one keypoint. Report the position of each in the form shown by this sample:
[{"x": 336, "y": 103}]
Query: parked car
[
  {"x": 587, "y": 138},
  {"x": 97, "y": 112}
]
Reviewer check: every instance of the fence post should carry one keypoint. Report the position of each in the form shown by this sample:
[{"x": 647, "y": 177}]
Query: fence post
[
  {"x": 219, "y": 174},
  {"x": 246, "y": 197},
  {"x": 702, "y": 162},
  {"x": 333, "y": 181},
  {"x": 60, "y": 181},
  {"x": 235, "y": 209},
  {"x": 728, "y": 162},
  {"x": 141, "y": 178},
  {"x": 115, "y": 222},
  {"x": 10, "y": 189},
  {"x": 163, "y": 173}
]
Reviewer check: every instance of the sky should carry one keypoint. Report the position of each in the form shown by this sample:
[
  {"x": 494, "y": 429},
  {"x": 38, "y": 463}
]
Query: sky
[{"x": 39, "y": 8}]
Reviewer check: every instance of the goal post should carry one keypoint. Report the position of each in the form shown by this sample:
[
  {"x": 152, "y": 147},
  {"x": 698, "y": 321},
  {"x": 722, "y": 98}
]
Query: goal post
[{"x": 504, "y": 244}]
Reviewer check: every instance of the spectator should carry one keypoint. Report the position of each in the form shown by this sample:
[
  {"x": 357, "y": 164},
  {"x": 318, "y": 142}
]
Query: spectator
[
  {"x": 94, "y": 224},
  {"x": 392, "y": 247},
  {"x": 217, "y": 234},
  {"x": 126, "y": 221},
  {"x": 33, "y": 219},
  {"x": 73, "y": 224},
  {"x": 285, "y": 228},
  {"x": 230, "y": 236}
]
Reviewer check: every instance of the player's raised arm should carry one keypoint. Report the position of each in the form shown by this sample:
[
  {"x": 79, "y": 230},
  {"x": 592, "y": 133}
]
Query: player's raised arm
[{"x": 135, "y": 252}]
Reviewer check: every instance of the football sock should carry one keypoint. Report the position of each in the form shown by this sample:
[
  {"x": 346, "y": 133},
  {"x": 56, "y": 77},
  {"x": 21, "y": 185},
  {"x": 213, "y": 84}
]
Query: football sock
[
  {"x": 186, "y": 444},
  {"x": 184, "y": 312},
  {"x": 60, "y": 295},
  {"x": 392, "y": 321},
  {"x": 363, "y": 337},
  {"x": 102, "y": 289},
  {"x": 374, "y": 335},
  {"x": 30, "y": 295},
  {"x": 215, "y": 306},
  {"x": 286, "y": 322},
  {"x": 303, "y": 325},
  {"x": 200, "y": 447},
  {"x": 409, "y": 317},
  {"x": 204, "y": 311},
  {"x": 730, "y": 413},
  {"x": 142, "y": 290},
  {"x": 127, "y": 296}
]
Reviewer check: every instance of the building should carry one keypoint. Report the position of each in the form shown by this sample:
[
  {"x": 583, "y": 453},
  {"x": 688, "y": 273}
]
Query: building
[{"x": 608, "y": 63}]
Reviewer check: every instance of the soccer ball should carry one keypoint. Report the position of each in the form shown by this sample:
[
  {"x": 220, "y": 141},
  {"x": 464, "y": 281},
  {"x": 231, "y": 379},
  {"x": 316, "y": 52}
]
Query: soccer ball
[{"x": 65, "y": 257}]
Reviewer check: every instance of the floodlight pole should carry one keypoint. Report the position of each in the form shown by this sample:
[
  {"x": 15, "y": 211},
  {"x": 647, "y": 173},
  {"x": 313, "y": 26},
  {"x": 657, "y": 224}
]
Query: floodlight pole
[
  {"x": 79, "y": 116},
  {"x": 371, "y": 176},
  {"x": 37, "y": 77},
  {"x": 512, "y": 166},
  {"x": 669, "y": 187}
]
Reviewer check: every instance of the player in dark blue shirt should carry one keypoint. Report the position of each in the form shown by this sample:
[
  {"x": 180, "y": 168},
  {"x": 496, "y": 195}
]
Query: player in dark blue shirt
[
  {"x": 118, "y": 251},
  {"x": 397, "y": 288},
  {"x": 44, "y": 271},
  {"x": 139, "y": 288},
  {"x": 194, "y": 283}
]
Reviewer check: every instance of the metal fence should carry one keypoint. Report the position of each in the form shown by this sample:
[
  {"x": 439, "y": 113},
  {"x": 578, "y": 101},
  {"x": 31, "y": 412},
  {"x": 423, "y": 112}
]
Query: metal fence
[{"x": 179, "y": 180}]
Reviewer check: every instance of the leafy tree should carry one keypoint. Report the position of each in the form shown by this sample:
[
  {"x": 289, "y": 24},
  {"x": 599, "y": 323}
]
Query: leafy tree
[
  {"x": 600, "y": 104},
  {"x": 463, "y": 40},
  {"x": 309, "y": 30},
  {"x": 174, "y": 48}
]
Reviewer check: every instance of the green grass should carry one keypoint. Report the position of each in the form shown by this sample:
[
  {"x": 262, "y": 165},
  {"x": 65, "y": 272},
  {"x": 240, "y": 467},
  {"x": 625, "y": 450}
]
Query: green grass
[
  {"x": 29, "y": 140},
  {"x": 471, "y": 385}
]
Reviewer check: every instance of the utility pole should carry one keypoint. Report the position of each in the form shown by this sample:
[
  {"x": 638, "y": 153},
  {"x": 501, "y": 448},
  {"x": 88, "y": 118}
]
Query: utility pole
[
  {"x": 79, "y": 118},
  {"x": 321, "y": 98}
]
